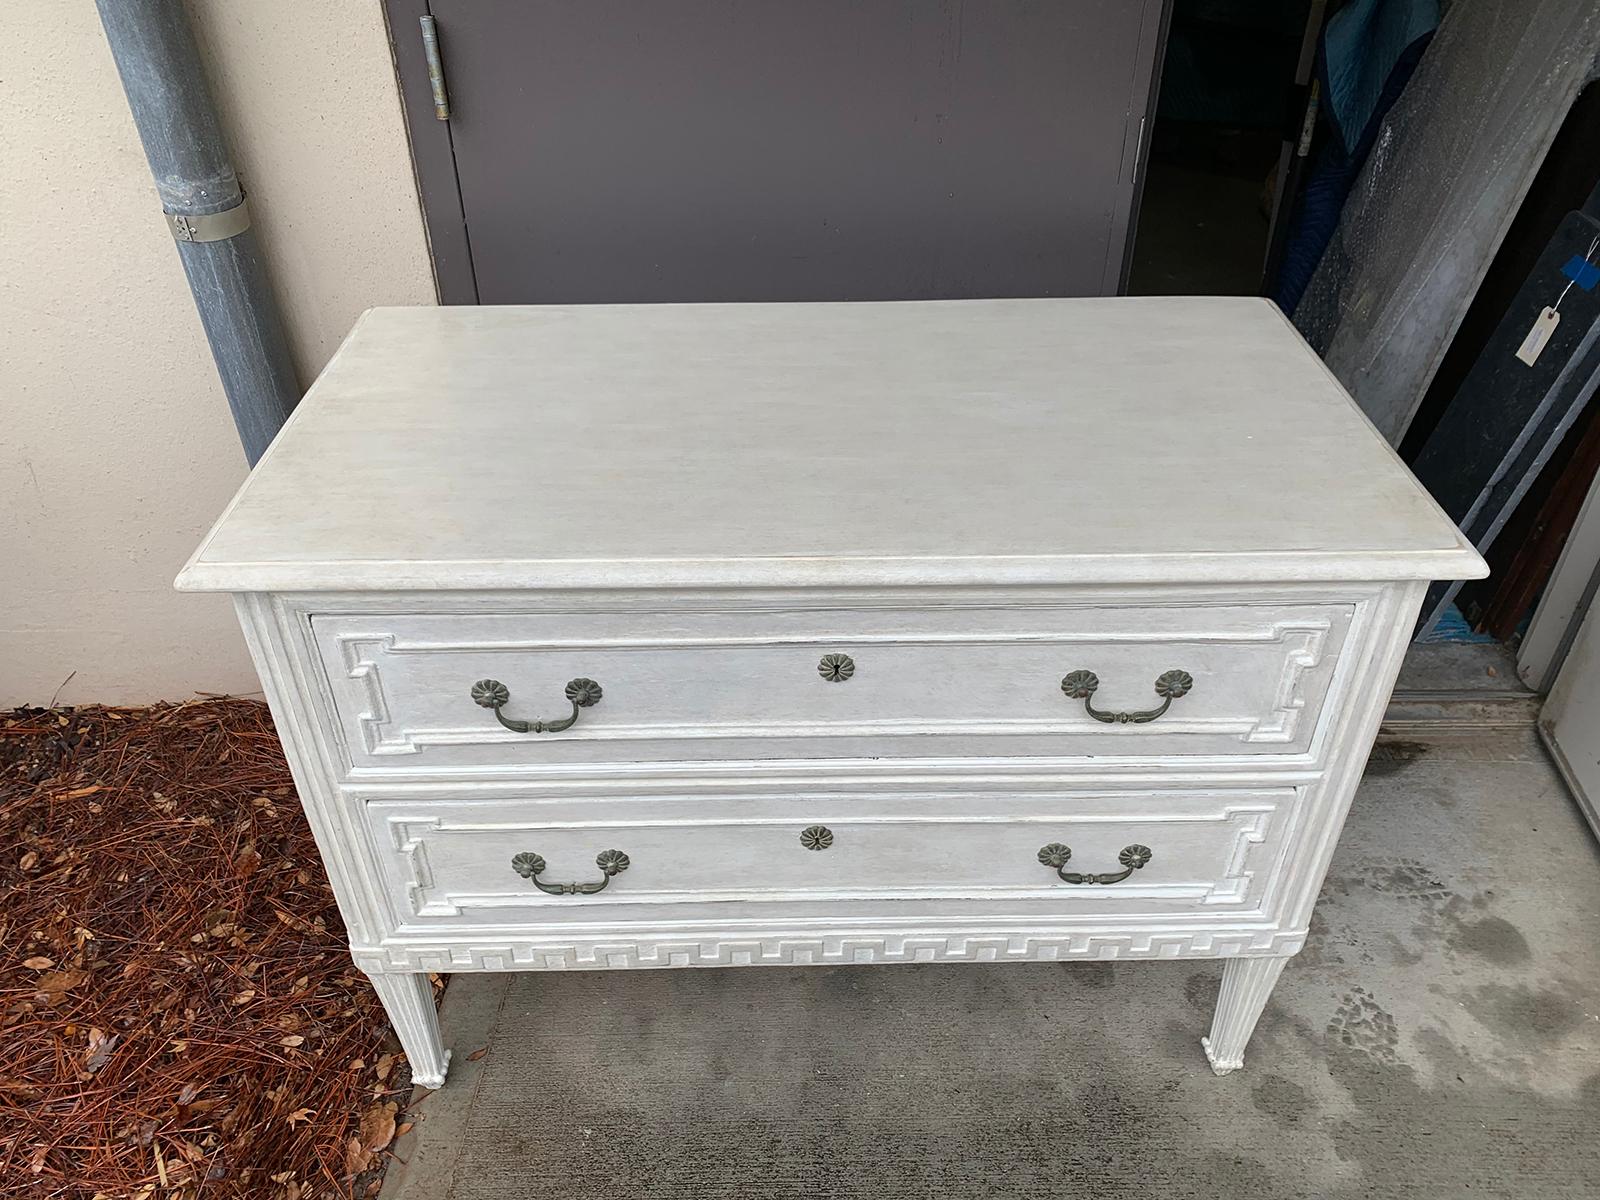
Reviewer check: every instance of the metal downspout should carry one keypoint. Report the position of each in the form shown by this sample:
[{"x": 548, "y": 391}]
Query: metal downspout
[{"x": 161, "y": 73}]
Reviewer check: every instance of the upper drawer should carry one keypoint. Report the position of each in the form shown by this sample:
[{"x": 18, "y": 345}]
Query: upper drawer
[{"x": 842, "y": 683}]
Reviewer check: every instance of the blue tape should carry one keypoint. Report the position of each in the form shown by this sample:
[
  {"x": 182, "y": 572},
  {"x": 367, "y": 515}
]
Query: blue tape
[{"x": 1582, "y": 272}]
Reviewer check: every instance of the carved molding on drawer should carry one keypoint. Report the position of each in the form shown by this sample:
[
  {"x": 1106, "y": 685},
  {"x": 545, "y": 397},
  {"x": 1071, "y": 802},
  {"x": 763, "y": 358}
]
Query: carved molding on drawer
[
  {"x": 374, "y": 720},
  {"x": 1291, "y": 702},
  {"x": 360, "y": 653},
  {"x": 408, "y": 835},
  {"x": 568, "y": 954},
  {"x": 1234, "y": 887}
]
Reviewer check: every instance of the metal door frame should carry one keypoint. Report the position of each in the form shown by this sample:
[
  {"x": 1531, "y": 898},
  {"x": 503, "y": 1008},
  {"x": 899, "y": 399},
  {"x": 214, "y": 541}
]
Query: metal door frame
[
  {"x": 433, "y": 155},
  {"x": 434, "y": 162}
]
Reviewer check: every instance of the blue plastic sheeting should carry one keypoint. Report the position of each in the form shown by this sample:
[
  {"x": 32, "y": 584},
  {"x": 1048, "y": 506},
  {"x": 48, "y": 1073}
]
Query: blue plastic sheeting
[
  {"x": 1369, "y": 50},
  {"x": 1452, "y": 627},
  {"x": 1362, "y": 44}
]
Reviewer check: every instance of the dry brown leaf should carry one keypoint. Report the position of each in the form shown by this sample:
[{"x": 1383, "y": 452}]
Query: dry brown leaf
[
  {"x": 477, "y": 1054},
  {"x": 205, "y": 1065},
  {"x": 52, "y": 987},
  {"x": 100, "y": 1047},
  {"x": 357, "y": 1158},
  {"x": 377, "y": 1126},
  {"x": 375, "y": 1132},
  {"x": 38, "y": 963},
  {"x": 385, "y": 1065},
  {"x": 404, "y": 1128},
  {"x": 294, "y": 1039}
]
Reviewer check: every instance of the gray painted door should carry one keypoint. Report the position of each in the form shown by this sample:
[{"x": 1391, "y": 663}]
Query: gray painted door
[{"x": 699, "y": 150}]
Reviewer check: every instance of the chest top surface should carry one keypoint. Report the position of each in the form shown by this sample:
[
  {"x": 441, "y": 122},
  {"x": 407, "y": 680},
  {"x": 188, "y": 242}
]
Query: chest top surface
[{"x": 986, "y": 441}]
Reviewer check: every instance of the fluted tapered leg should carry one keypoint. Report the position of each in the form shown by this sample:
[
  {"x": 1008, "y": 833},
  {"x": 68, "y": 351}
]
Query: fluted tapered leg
[
  {"x": 1246, "y": 984},
  {"x": 408, "y": 999}
]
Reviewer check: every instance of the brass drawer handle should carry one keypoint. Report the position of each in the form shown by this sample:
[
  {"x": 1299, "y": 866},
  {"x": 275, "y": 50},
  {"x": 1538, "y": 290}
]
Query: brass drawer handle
[
  {"x": 1170, "y": 686},
  {"x": 530, "y": 866},
  {"x": 1055, "y": 855},
  {"x": 491, "y": 693}
]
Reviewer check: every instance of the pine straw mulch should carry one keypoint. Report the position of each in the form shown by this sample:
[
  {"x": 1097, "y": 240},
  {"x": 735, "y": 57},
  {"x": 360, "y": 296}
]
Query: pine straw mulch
[{"x": 178, "y": 1014}]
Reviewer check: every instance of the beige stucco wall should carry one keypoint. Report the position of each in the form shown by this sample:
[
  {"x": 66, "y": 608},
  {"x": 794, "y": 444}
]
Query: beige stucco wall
[{"x": 116, "y": 447}]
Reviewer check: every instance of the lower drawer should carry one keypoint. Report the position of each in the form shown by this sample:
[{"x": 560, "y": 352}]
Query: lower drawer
[{"x": 523, "y": 864}]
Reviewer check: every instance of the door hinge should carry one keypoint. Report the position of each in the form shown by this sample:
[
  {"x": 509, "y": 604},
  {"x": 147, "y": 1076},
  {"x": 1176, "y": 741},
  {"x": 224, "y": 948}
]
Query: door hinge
[{"x": 430, "y": 49}]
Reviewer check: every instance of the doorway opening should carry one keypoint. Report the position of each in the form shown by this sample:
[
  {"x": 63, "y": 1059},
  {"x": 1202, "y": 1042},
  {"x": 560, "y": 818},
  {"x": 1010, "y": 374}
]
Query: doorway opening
[
  {"x": 1230, "y": 94},
  {"x": 1258, "y": 138}
]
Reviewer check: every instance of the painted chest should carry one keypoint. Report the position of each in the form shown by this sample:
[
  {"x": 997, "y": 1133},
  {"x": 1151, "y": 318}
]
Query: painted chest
[{"x": 726, "y": 635}]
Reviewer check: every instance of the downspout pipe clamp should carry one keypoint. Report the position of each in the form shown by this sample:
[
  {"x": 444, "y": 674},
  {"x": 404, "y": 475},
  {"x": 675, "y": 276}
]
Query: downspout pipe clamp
[{"x": 212, "y": 227}]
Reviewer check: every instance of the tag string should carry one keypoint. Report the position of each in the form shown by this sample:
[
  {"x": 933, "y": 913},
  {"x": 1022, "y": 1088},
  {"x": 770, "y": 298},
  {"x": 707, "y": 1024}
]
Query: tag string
[{"x": 1588, "y": 254}]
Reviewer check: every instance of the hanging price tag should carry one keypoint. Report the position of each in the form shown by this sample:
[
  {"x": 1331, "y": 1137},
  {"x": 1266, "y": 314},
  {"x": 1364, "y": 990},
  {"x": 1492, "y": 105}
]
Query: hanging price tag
[{"x": 1544, "y": 325}]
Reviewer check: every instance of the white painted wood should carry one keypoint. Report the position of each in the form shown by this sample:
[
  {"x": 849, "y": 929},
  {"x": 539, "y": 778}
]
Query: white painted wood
[
  {"x": 692, "y": 505},
  {"x": 1247, "y": 984},
  {"x": 1570, "y": 719},
  {"x": 408, "y": 999},
  {"x": 996, "y": 441},
  {"x": 292, "y": 696},
  {"x": 447, "y": 863},
  {"x": 821, "y": 944},
  {"x": 980, "y": 680},
  {"x": 1373, "y": 680}
]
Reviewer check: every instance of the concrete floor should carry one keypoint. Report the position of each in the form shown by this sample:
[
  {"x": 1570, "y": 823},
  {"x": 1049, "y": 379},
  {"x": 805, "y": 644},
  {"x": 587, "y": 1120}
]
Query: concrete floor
[{"x": 1439, "y": 1037}]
